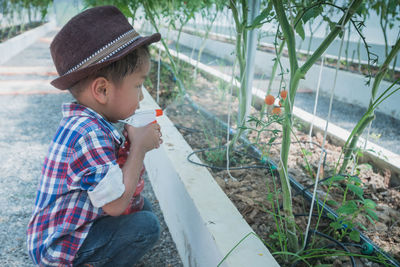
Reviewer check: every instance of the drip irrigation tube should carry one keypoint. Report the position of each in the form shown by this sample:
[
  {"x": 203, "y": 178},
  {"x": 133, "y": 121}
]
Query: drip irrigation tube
[
  {"x": 337, "y": 243},
  {"x": 353, "y": 263},
  {"x": 296, "y": 185}
]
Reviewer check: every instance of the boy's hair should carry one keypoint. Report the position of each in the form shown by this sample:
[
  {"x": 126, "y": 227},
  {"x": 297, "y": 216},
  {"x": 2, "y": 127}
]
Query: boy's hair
[{"x": 116, "y": 71}]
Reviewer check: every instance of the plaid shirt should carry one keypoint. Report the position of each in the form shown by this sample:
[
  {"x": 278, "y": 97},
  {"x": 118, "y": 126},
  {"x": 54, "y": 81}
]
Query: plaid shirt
[{"x": 80, "y": 175}]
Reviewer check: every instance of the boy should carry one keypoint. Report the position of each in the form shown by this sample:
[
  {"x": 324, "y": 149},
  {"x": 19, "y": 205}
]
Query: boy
[{"x": 88, "y": 209}]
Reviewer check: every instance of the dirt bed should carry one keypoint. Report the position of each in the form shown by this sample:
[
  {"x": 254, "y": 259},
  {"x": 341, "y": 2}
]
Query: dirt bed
[{"x": 253, "y": 186}]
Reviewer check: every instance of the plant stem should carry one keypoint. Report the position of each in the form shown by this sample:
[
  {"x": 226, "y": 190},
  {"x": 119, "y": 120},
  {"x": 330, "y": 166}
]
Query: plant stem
[
  {"x": 364, "y": 121},
  {"x": 241, "y": 45},
  {"x": 203, "y": 44},
  {"x": 383, "y": 23},
  {"x": 273, "y": 73},
  {"x": 394, "y": 68},
  {"x": 179, "y": 37},
  {"x": 359, "y": 55},
  {"x": 346, "y": 51},
  {"x": 153, "y": 22},
  {"x": 296, "y": 74},
  {"x": 285, "y": 184}
]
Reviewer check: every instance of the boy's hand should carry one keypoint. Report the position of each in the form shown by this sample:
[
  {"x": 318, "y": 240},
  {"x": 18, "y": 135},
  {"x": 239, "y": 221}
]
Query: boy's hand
[{"x": 144, "y": 138}]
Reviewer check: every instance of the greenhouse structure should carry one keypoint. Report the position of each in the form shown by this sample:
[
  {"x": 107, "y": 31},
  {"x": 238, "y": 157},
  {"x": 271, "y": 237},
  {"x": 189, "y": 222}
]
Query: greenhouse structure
[{"x": 267, "y": 134}]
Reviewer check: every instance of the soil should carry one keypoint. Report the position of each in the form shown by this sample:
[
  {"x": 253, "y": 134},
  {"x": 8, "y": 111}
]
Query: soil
[{"x": 254, "y": 188}]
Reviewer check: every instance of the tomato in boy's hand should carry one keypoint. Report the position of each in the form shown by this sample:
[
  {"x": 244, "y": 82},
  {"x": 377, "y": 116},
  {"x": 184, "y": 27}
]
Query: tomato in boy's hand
[
  {"x": 269, "y": 99},
  {"x": 122, "y": 154}
]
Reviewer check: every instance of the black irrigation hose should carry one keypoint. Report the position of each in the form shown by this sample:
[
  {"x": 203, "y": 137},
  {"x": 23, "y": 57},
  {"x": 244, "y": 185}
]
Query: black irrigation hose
[
  {"x": 218, "y": 167},
  {"x": 297, "y": 186},
  {"x": 353, "y": 263},
  {"x": 189, "y": 130},
  {"x": 337, "y": 242},
  {"x": 320, "y": 181}
]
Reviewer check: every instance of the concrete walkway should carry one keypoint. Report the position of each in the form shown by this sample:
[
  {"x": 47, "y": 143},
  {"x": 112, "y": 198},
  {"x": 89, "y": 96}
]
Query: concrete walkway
[{"x": 30, "y": 110}]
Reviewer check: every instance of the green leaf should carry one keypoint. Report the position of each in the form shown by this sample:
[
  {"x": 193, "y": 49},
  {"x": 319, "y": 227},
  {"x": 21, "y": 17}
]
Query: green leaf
[
  {"x": 368, "y": 203},
  {"x": 335, "y": 179},
  {"x": 311, "y": 13},
  {"x": 259, "y": 20},
  {"x": 336, "y": 225},
  {"x": 370, "y": 219},
  {"x": 272, "y": 140},
  {"x": 360, "y": 225},
  {"x": 332, "y": 203},
  {"x": 355, "y": 179},
  {"x": 300, "y": 29},
  {"x": 355, "y": 236},
  {"x": 330, "y": 216},
  {"x": 348, "y": 208},
  {"x": 372, "y": 214},
  {"x": 356, "y": 190}
]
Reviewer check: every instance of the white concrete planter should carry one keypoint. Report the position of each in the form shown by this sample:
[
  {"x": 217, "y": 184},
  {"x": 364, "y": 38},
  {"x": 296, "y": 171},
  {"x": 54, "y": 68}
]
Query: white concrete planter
[
  {"x": 203, "y": 222},
  {"x": 13, "y": 46}
]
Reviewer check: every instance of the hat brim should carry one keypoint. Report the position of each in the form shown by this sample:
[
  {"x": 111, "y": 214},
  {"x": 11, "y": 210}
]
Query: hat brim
[{"x": 66, "y": 81}]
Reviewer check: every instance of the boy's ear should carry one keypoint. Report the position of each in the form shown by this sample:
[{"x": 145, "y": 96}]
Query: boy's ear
[{"x": 100, "y": 88}]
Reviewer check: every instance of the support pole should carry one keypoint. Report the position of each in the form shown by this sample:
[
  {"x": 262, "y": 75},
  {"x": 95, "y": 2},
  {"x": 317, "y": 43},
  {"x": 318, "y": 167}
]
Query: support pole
[{"x": 254, "y": 11}]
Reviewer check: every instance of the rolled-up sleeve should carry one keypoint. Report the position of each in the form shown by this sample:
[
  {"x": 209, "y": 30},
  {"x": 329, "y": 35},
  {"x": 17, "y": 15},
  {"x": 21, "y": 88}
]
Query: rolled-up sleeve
[
  {"x": 109, "y": 188},
  {"x": 93, "y": 168}
]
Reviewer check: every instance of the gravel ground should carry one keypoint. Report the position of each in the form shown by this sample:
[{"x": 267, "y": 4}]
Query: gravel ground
[{"x": 29, "y": 120}]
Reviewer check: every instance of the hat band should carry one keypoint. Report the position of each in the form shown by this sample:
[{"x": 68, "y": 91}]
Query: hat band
[{"x": 108, "y": 50}]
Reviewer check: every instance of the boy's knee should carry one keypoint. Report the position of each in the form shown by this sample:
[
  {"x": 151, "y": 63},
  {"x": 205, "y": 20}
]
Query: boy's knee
[
  {"x": 146, "y": 225},
  {"x": 153, "y": 226}
]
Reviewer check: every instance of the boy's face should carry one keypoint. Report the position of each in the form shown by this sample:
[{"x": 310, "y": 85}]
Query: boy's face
[{"x": 125, "y": 98}]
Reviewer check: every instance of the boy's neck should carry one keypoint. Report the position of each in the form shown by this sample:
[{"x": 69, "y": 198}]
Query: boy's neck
[{"x": 87, "y": 100}]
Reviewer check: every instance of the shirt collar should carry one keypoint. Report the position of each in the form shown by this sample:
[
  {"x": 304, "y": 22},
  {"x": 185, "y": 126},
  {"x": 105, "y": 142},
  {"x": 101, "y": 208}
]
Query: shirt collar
[{"x": 75, "y": 109}]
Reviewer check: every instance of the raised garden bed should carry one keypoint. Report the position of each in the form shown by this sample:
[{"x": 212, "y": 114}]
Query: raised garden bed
[
  {"x": 12, "y": 31},
  {"x": 256, "y": 187}
]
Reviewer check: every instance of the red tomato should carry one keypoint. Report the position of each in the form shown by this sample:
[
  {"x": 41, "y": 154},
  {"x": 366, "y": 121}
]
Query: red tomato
[
  {"x": 276, "y": 110},
  {"x": 284, "y": 94},
  {"x": 269, "y": 99}
]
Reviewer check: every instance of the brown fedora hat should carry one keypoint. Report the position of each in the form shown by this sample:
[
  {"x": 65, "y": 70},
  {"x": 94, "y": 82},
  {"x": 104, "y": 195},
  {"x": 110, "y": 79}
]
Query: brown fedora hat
[{"x": 91, "y": 40}]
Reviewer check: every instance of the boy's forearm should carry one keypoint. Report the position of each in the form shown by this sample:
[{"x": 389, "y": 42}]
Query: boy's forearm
[{"x": 131, "y": 174}]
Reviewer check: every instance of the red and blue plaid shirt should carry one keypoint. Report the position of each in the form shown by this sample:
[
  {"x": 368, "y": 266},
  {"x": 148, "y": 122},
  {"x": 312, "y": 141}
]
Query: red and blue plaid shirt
[{"x": 80, "y": 175}]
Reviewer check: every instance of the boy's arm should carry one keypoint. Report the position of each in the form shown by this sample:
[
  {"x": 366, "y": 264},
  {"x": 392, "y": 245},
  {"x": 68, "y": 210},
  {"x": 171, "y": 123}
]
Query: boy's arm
[
  {"x": 131, "y": 174},
  {"x": 143, "y": 140}
]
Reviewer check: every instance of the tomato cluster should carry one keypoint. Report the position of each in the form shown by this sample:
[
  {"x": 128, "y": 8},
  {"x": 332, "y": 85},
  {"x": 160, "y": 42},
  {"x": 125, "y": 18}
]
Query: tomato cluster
[{"x": 270, "y": 100}]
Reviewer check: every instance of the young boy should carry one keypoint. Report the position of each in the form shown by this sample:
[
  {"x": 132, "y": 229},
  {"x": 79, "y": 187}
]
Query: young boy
[{"x": 88, "y": 210}]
